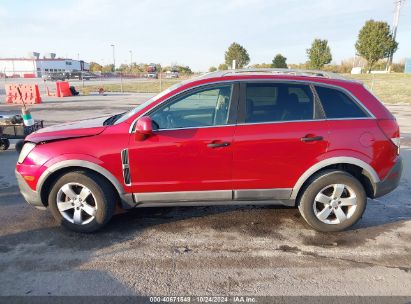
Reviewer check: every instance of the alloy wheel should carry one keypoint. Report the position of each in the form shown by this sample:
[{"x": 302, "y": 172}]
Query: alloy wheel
[
  {"x": 76, "y": 203},
  {"x": 335, "y": 204}
]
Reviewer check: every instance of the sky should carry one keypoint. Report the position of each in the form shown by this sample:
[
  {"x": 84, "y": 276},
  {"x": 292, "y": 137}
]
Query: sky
[{"x": 190, "y": 32}]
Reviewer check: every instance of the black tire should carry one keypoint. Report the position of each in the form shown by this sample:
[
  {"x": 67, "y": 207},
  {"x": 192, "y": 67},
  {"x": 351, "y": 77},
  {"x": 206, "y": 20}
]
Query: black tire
[
  {"x": 321, "y": 181},
  {"x": 4, "y": 144},
  {"x": 102, "y": 191},
  {"x": 19, "y": 145}
]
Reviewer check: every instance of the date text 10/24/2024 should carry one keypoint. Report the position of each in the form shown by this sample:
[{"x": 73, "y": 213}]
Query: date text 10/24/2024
[{"x": 203, "y": 299}]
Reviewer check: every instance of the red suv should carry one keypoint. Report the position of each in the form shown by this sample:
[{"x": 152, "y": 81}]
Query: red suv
[{"x": 297, "y": 138}]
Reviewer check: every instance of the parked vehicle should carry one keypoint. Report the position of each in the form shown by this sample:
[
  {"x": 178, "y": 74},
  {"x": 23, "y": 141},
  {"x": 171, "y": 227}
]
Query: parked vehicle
[
  {"x": 55, "y": 76},
  {"x": 172, "y": 74},
  {"x": 80, "y": 75},
  {"x": 298, "y": 138},
  {"x": 151, "y": 71},
  {"x": 151, "y": 75}
]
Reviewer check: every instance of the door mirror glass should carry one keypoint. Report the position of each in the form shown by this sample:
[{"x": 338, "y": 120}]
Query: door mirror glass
[{"x": 144, "y": 126}]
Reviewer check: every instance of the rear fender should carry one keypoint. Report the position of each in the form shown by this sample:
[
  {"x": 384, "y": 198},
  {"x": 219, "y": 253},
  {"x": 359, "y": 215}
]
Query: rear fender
[{"x": 367, "y": 170}]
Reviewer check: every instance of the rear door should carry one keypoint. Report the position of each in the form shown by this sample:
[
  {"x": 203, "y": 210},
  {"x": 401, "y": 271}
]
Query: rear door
[{"x": 280, "y": 134}]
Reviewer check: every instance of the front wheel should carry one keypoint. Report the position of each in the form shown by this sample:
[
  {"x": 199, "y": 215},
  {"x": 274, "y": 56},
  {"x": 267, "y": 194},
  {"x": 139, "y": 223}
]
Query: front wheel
[
  {"x": 332, "y": 201},
  {"x": 82, "y": 201}
]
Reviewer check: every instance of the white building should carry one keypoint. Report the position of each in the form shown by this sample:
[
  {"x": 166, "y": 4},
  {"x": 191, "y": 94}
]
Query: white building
[{"x": 36, "y": 67}]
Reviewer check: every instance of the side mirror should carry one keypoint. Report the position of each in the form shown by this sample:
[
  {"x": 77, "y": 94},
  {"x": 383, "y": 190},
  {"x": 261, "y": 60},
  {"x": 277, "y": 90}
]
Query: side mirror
[{"x": 144, "y": 126}]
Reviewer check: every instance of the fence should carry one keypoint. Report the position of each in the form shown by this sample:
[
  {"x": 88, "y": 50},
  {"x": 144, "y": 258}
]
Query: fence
[{"x": 87, "y": 82}]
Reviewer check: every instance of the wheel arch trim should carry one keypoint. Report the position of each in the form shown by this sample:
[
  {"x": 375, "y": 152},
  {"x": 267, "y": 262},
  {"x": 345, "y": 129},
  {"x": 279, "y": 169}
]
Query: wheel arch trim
[
  {"x": 367, "y": 170},
  {"x": 83, "y": 164}
]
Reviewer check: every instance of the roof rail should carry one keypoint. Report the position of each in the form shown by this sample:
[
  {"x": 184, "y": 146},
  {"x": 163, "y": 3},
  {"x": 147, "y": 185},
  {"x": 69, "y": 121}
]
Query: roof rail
[{"x": 273, "y": 71}]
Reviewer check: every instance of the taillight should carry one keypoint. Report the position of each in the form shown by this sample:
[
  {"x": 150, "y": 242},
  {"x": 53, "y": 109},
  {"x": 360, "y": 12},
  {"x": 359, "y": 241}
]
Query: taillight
[{"x": 391, "y": 129}]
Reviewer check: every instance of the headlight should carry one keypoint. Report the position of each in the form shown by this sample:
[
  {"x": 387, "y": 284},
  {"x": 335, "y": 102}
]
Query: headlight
[{"x": 25, "y": 151}]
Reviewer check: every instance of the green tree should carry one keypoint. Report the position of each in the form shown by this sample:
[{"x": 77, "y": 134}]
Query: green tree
[
  {"x": 261, "y": 66},
  {"x": 125, "y": 68},
  {"x": 212, "y": 69},
  {"x": 135, "y": 69},
  {"x": 184, "y": 70},
  {"x": 319, "y": 54},
  {"x": 158, "y": 67},
  {"x": 238, "y": 53},
  {"x": 375, "y": 42},
  {"x": 95, "y": 67},
  {"x": 279, "y": 62},
  {"x": 222, "y": 67},
  {"x": 108, "y": 68}
]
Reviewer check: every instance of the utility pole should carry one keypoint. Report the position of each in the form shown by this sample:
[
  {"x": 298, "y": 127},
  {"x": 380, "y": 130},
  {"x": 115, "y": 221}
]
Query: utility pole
[
  {"x": 131, "y": 57},
  {"x": 114, "y": 58},
  {"x": 398, "y": 5}
]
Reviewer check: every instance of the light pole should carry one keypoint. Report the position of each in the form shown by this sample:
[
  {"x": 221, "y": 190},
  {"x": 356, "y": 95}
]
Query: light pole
[
  {"x": 131, "y": 57},
  {"x": 398, "y": 5},
  {"x": 114, "y": 58}
]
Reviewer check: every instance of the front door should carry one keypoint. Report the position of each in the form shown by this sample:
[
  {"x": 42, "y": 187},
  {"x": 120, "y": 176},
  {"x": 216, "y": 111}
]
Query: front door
[{"x": 190, "y": 150}]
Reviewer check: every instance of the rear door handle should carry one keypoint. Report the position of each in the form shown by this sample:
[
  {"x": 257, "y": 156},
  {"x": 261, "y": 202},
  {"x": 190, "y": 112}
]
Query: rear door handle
[
  {"x": 313, "y": 138},
  {"x": 218, "y": 144}
]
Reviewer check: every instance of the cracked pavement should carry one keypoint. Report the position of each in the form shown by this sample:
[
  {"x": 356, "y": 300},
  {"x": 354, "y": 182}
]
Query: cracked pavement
[{"x": 224, "y": 250}]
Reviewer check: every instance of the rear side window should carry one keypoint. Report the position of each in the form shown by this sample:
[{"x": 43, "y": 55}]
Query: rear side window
[
  {"x": 271, "y": 102},
  {"x": 337, "y": 104}
]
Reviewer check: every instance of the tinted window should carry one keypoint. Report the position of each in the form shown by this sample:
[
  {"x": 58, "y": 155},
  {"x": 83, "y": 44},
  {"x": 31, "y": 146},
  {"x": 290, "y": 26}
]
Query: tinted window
[
  {"x": 208, "y": 107},
  {"x": 337, "y": 104},
  {"x": 270, "y": 102}
]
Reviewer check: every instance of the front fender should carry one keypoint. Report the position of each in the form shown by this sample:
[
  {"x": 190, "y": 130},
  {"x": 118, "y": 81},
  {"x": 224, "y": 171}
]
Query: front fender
[
  {"x": 87, "y": 162},
  {"x": 77, "y": 160}
]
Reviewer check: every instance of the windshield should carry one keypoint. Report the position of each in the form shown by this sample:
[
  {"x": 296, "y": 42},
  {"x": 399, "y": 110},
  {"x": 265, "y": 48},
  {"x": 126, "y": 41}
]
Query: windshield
[{"x": 132, "y": 112}]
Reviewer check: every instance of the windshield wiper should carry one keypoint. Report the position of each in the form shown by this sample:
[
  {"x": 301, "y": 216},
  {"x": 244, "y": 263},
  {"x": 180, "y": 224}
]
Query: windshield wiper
[{"x": 112, "y": 119}]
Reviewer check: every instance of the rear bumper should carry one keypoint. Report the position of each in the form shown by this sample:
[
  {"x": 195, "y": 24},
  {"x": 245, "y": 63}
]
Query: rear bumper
[
  {"x": 391, "y": 181},
  {"x": 31, "y": 197}
]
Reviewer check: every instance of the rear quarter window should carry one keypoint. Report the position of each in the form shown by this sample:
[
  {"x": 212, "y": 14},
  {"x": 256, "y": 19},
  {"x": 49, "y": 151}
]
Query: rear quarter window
[{"x": 337, "y": 104}]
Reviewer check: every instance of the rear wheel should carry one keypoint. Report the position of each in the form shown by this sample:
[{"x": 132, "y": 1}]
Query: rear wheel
[
  {"x": 82, "y": 201},
  {"x": 332, "y": 201}
]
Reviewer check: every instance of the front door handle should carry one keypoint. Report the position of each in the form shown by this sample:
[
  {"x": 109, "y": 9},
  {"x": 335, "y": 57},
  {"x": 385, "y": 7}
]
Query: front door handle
[
  {"x": 218, "y": 144},
  {"x": 308, "y": 138}
]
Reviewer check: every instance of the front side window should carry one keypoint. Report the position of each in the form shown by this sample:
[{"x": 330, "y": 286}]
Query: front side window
[
  {"x": 272, "y": 102},
  {"x": 208, "y": 107},
  {"x": 337, "y": 104}
]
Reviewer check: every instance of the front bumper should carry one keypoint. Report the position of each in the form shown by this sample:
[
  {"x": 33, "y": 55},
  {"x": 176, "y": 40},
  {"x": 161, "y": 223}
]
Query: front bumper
[
  {"x": 31, "y": 197},
  {"x": 391, "y": 181}
]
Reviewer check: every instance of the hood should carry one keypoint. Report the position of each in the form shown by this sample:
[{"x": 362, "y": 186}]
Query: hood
[{"x": 73, "y": 129}]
